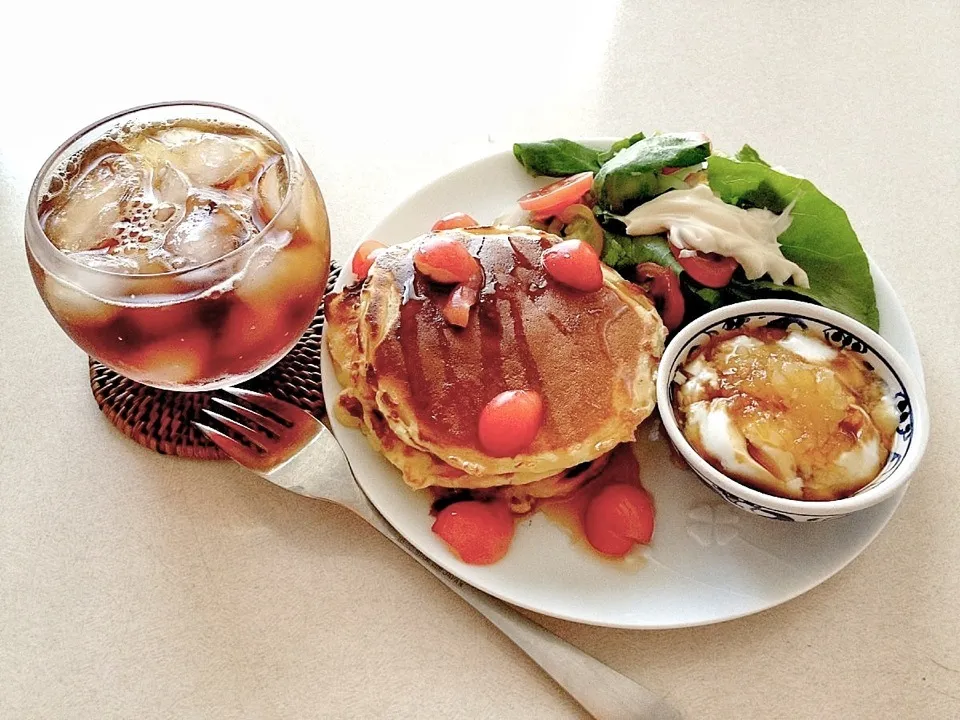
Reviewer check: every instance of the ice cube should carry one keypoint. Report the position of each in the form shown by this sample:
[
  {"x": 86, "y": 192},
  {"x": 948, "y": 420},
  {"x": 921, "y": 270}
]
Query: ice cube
[
  {"x": 170, "y": 185},
  {"x": 251, "y": 333},
  {"x": 129, "y": 259},
  {"x": 207, "y": 232},
  {"x": 171, "y": 363},
  {"x": 271, "y": 188},
  {"x": 313, "y": 212},
  {"x": 75, "y": 307},
  {"x": 87, "y": 215},
  {"x": 275, "y": 277},
  {"x": 208, "y": 160}
]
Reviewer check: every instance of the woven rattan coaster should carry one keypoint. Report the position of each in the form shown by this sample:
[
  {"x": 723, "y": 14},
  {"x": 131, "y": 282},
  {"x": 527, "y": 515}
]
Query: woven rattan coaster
[{"x": 162, "y": 420}]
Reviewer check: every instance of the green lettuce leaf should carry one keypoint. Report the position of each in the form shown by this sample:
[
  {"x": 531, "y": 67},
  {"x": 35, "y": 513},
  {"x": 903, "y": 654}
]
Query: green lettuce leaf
[
  {"x": 820, "y": 238},
  {"x": 562, "y": 158},
  {"x": 556, "y": 158},
  {"x": 625, "y": 251},
  {"x": 748, "y": 154},
  {"x": 630, "y": 176},
  {"x": 620, "y": 145}
]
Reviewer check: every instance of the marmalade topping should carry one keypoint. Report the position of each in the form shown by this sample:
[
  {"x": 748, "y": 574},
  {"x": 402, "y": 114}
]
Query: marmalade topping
[{"x": 786, "y": 413}]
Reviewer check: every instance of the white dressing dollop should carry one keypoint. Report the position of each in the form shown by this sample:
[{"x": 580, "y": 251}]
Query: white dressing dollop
[{"x": 697, "y": 220}]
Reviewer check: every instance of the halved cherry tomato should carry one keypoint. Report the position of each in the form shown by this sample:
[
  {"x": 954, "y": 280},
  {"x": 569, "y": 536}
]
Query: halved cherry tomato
[
  {"x": 456, "y": 309},
  {"x": 708, "y": 269},
  {"x": 580, "y": 222},
  {"x": 444, "y": 260},
  {"x": 510, "y": 422},
  {"x": 663, "y": 286},
  {"x": 574, "y": 263},
  {"x": 364, "y": 257},
  {"x": 551, "y": 199},
  {"x": 619, "y": 516},
  {"x": 453, "y": 220},
  {"x": 479, "y": 532}
]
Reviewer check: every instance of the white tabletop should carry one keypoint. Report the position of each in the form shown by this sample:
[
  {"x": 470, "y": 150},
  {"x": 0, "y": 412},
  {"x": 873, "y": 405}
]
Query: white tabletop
[{"x": 135, "y": 585}]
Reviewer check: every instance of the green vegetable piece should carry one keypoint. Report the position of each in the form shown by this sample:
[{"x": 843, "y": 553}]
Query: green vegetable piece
[
  {"x": 630, "y": 176},
  {"x": 748, "y": 154},
  {"x": 820, "y": 238},
  {"x": 620, "y": 145},
  {"x": 626, "y": 251},
  {"x": 704, "y": 299},
  {"x": 556, "y": 158}
]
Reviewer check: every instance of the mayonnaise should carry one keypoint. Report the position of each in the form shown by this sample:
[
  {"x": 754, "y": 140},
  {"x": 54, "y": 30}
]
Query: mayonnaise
[{"x": 697, "y": 220}]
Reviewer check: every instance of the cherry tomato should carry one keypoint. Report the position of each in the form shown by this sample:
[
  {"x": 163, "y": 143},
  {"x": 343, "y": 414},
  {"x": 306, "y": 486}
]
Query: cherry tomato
[
  {"x": 574, "y": 263},
  {"x": 456, "y": 310},
  {"x": 619, "y": 516},
  {"x": 510, "y": 422},
  {"x": 579, "y": 222},
  {"x": 708, "y": 269},
  {"x": 663, "y": 286},
  {"x": 364, "y": 257},
  {"x": 453, "y": 220},
  {"x": 479, "y": 532},
  {"x": 444, "y": 260},
  {"x": 551, "y": 199}
]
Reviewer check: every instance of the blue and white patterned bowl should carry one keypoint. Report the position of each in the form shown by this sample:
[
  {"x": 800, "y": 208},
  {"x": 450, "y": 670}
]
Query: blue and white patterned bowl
[{"x": 839, "y": 331}]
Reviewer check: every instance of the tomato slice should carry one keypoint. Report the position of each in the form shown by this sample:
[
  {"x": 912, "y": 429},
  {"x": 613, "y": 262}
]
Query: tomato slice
[
  {"x": 619, "y": 516},
  {"x": 663, "y": 286},
  {"x": 364, "y": 257},
  {"x": 444, "y": 260},
  {"x": 453, "y": 220},
  {"x": 551, "y": 199},
  {"x": 708, "y": 269},
  {"x": 456, "y": 309},
  {"x": 479, "y": 532}
]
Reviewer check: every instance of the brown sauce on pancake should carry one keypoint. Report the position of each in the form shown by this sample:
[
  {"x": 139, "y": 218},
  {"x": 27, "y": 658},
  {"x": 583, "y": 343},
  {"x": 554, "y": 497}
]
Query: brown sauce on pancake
[{"x": 526, "y": 332}]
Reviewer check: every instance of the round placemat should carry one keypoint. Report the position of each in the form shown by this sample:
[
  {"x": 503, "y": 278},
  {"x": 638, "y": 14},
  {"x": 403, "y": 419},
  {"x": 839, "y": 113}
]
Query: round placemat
[{"x": 162, "y": 420}]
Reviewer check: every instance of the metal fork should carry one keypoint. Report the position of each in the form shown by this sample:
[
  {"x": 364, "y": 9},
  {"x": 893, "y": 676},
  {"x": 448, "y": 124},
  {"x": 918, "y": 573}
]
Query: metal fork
[{"x": 292, "y": 449}]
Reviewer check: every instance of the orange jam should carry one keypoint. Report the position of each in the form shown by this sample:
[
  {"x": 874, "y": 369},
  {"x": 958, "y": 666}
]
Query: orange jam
[{"x": 785, "y": 412}]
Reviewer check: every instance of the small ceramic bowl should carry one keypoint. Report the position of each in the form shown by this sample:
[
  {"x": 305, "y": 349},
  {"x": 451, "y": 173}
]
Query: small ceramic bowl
[{"x": 839, "y": 331}]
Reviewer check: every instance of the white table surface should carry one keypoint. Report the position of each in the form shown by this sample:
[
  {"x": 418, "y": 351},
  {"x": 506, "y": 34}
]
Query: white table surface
[{"x": 139, "y": 586}]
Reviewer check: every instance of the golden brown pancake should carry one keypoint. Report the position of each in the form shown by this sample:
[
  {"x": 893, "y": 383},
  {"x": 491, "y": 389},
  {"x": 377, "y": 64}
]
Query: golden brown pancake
[
  {"x": 591, "y": 356},
  {"x": 356, "y": 407}
]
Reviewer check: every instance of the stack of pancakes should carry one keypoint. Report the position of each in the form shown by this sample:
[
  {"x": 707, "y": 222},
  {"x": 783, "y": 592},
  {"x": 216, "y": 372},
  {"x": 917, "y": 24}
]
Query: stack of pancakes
[{"x": 415, "y": 384}]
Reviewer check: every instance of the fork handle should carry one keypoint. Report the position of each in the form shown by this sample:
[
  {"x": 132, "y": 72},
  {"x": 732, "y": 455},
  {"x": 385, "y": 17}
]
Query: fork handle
[{"x": 605, "y": 693}]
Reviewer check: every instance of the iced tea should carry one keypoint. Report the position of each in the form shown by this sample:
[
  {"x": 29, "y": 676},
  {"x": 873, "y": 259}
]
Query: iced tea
[{"x": 185, "y": 246}]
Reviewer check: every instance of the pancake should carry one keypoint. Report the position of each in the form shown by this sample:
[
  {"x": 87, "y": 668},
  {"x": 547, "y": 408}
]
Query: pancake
[
  {"x": 591, "y": 355},
  {"x": 416, "y": 385},
  {"x": 356, "y": 407}
]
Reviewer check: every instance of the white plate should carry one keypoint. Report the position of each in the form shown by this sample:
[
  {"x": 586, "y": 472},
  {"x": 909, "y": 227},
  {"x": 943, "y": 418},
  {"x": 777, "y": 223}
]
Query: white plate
[{"x": 708, "y": 562}]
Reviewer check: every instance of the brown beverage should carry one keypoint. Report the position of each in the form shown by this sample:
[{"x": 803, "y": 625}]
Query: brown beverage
[{"x": 185, "y": 253}]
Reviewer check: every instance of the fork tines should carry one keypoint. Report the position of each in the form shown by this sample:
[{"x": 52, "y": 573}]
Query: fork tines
[{"x": 260, "y": 429}]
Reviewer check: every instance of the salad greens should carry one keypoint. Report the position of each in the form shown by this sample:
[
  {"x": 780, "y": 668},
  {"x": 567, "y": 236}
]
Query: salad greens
[
  {"x": 620, "y": 145},
  {"x": 557, "y": 158},
  {"x": 561, "y": 158},
  {"x": 819, "y": 239},
  {"x": 621, "y": 250},
  {"x": 631, "y": 175},
  {"x": 748, "y": 154}
]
